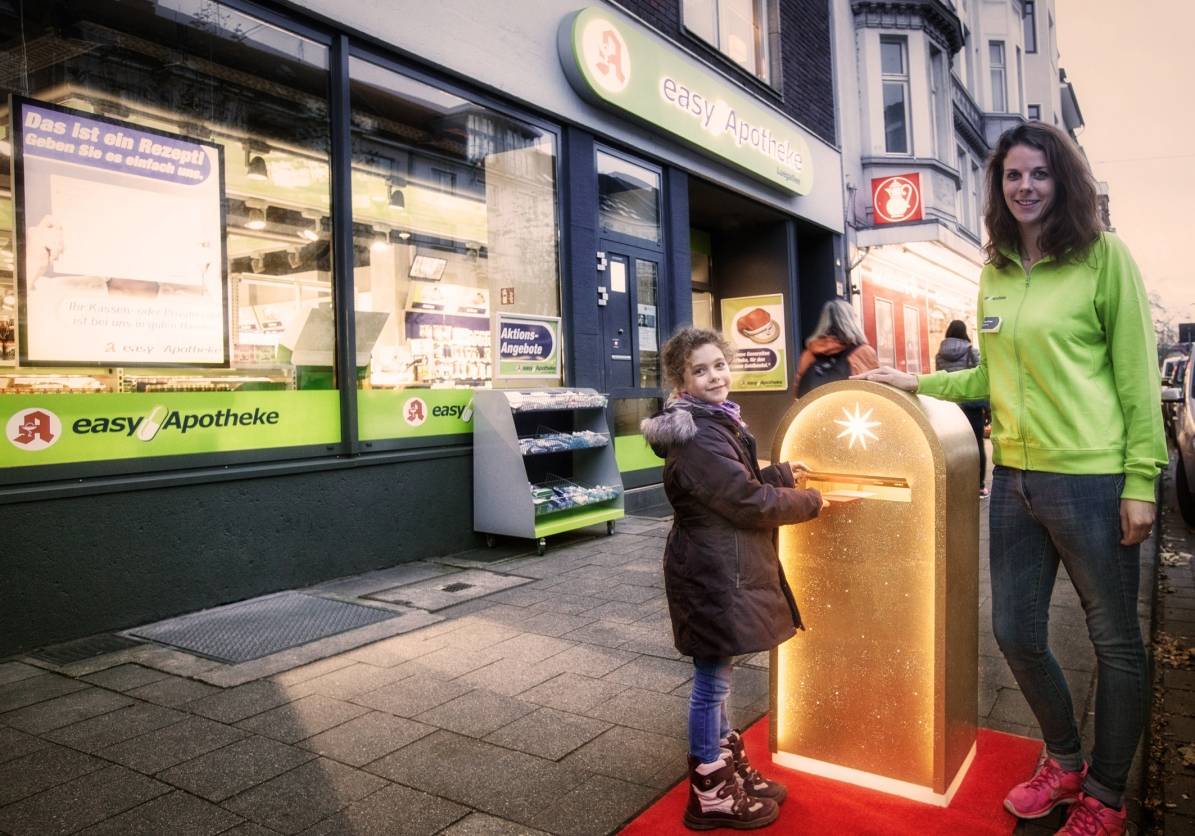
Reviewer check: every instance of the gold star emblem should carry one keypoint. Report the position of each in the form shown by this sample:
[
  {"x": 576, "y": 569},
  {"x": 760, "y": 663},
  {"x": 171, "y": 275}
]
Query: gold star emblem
[{"x": 858, "y": 427}]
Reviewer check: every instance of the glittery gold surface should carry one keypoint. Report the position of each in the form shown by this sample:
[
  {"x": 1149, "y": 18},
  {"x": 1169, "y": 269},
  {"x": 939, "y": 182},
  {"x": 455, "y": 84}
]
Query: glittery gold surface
[{"x": 884, "y": 678}]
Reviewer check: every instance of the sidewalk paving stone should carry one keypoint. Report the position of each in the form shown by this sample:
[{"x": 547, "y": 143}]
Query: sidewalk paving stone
[
  {"x": 302, "y": 718},
  {"x": 589, "y": 660},
  {"x": 450, "y": 662},
  {"x": 16, "y": 671},
  {"x": 304, "y": 796},
  {"x": 508, "y": 784},
  {"x": 97, "y": 733},
  {"x": 652, "y": 673},
  {"x": 555, "y": 624},
  {"x": 529, "y": 647},
  {"x": 65, "y": 710},
  {"x": 42, "y": 769},
  {"x": 646, "y": 710},
  {"x": 393, "y": 811},
  {"x": 573, "y": 693},
  {"x": 173, "y": 691},
  {"x": 16, "y": 744},
  {"x": 176, "y": 813},
  {"x": 631, "y": 755},
  {"x": 479, "y": 824},
  {"x": 366, "y": 738},
  {"x": 34, "y": 689},
  {"x": 508, "y": 676},
  {"x": 78, "y": 803},
  {"x": 346, "y": 683},
  {"x": 413, "y": 695},
  {"x": 548, "y": 733},
  {"x": 225, "y": 772},
  {"x": 476, "y": 713},
  {"x": 161, "y": 749},
  {"x": 124, "y": 677},
  {"x": 596, "y": 807},
  {"x": 233, "y": 704}
]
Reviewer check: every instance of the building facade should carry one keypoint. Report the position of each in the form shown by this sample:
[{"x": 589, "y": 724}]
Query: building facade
[
  {"x": 937, "y": 82},
  {"x": 256, "y": 257}
]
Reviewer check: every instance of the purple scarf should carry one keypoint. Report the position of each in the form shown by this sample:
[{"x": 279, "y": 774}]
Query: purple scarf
[{"x": 729, "y": 407}]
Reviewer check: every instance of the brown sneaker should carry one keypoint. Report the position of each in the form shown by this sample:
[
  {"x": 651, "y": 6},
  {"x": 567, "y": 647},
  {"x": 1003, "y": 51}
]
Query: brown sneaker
[
  {"x": 717, "y": 799},
  {"x": 754, "y": 783}
]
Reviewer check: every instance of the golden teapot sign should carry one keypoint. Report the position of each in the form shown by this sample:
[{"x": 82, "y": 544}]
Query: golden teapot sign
[{"x": 880, "y": 689}]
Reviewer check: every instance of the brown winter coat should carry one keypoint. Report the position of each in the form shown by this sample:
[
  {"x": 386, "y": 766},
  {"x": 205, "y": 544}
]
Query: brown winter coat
[{"x": 727, "y": 594}]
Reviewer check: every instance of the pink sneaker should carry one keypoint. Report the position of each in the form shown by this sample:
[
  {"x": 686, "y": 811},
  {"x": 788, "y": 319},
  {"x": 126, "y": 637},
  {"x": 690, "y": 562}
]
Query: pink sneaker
[
  {"x": 1092, "y": 818},
  {"x": 1050, "y": 786}
]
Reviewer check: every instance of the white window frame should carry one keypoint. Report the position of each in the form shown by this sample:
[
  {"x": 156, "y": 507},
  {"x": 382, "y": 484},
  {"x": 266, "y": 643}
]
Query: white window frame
[
  {"x": 1030, "y": 17},
  {"x": 885, "y": 337},
  {"x": 939, "y": 101},
  {"x": 1029, "y": 112},
  {"x": 900, "y": 80},
  {"x": 912, "y": 316},
  {"x": 998, "y": 76}
]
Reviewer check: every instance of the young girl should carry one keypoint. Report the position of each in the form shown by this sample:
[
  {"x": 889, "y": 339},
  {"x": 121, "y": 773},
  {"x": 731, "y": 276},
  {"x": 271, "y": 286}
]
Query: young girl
[{"x": 727, "y": 594}]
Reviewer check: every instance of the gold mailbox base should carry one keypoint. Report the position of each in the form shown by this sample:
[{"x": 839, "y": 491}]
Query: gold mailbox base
[{"x": 904, "y": 789}]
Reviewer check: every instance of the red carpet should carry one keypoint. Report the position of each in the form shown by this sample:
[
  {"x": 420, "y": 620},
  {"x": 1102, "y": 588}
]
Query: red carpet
[{"x": 819, "y": 805}]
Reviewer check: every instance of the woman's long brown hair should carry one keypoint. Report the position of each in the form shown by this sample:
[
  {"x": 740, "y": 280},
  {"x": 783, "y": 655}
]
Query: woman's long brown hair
[{"x": 1072, "y": 222}]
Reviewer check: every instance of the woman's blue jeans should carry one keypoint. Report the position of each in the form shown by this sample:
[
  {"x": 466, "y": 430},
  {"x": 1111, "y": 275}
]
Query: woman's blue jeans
[
  {"x": 1038, "y": 519},
  {"x": 708, "y": 722}
]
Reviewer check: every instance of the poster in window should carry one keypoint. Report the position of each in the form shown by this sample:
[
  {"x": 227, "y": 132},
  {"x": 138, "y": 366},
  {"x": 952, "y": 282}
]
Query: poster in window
[
  {"x": 885, "y": 333},
  {"x": 120, "y": 242},
  {"x": 754, "y": 327}
]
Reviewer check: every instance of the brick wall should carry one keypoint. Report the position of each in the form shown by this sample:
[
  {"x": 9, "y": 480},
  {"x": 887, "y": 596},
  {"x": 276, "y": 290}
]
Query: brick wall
[{"x": 807, "y": 86}]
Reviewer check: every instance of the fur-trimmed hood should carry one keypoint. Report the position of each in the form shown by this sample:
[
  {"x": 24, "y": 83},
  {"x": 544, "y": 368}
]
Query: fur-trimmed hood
[{"x": 675, "y": 426}]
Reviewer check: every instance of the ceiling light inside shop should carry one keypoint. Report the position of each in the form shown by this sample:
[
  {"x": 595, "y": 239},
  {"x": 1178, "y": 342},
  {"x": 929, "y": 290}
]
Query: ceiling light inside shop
[
  {"x": 381, "y": 240},
  {"x": 311, "y": 231},
  {"x": 257, "y": 219},
  {"x": 403, "y": 234},
  {"x": 257, "y": 168}
]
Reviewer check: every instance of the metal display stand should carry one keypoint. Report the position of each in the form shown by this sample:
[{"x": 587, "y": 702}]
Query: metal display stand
[{"x": 543, "y": 463}]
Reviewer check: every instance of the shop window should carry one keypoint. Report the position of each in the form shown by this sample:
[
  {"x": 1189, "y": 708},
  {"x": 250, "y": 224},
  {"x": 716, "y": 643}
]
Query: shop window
[
  {"x": 628, "y": 198},
  {"x": 455, "y": 242},
  {"x": 894, "y": 70},
  {"x": 912, "y": 340},
  {"x": 647, "y": 321},
  {"x": 745, "y": 31},
  {"x": 885, "y": 332},
  {"x": 165, "y": 236},
  {"x": 999, "y": 76}
]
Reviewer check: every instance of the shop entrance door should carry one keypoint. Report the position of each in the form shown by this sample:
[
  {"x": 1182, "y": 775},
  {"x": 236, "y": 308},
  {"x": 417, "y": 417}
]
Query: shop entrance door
[{"x": 628, "y": 301}]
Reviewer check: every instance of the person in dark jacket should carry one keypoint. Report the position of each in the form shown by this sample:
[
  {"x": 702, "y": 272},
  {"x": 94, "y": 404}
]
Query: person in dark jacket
[
  {"x": 955, "y": 354},
  {"x": 727, "y": 594}
]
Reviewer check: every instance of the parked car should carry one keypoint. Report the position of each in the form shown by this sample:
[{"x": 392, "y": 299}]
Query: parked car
[
  {"x": 1173, "y": 373},
  {"x": 1181, "y": 398}
]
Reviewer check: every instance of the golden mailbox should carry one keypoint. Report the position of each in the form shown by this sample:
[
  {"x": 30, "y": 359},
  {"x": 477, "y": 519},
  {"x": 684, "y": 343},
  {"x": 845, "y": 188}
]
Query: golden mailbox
[{"x": 880, "y": 690}]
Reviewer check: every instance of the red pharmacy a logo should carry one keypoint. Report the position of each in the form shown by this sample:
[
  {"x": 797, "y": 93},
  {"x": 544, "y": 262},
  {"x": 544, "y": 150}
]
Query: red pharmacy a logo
[
  {"x": 33, "y": 429},
  {"x": 415, "y": 411}
]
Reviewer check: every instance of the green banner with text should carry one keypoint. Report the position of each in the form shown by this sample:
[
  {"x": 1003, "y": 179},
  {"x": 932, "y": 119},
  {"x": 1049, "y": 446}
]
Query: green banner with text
[
  {"x": 617, "y": 63},
  {"x": 413, "y": 413},
  {"x": 63, "y": 429}
]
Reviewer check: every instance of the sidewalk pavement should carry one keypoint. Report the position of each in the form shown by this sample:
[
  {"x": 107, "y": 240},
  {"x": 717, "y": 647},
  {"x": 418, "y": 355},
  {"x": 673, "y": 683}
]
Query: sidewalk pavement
[{"x": 556, "y": 706}]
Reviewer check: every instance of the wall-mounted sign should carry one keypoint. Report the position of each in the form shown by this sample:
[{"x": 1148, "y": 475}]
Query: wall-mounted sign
[
  {"x": 66, "y": 428},
  {"x": 896, "y": 198},
  {"x": 120, "y": 242},
  {"x": 388, "y": 414},
  {"x": 616, "y": 63},
  {"x": 754, "y": 326},
  {"x": 528, "y": 346}
]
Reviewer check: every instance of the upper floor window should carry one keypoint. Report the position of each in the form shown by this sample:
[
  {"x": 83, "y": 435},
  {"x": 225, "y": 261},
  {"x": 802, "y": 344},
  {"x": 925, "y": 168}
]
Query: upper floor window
[
  {"x": 739, "y": 29},
  {"x": 894, "y": 74},
  {"x": 1034, "y": 113},
  {"x": 1030, "y": 19},
  {"x": 939, "y": 101},
  {"x": 999, "y": 76}
]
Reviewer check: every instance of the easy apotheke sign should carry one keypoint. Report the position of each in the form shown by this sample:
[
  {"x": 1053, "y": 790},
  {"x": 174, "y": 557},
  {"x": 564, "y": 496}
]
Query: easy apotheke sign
[
  {"x": 60, "y": 429},
  {"x": 615, "y": 63}
]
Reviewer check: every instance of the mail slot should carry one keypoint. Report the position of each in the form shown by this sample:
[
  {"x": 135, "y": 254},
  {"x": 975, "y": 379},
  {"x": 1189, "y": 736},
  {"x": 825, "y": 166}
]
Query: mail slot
[{"x": 880, "y": 689}]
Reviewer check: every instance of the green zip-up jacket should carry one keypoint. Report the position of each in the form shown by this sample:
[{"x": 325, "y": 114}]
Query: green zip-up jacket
[{"x": 1069, "y": 363}]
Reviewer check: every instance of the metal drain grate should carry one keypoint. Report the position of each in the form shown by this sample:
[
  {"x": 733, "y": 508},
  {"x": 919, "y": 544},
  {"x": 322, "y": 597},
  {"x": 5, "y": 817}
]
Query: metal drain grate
[
  {"x": 80, "y": 649},
  {"x": 456, "y": 587},
  {"x": 256, "y": 628}
]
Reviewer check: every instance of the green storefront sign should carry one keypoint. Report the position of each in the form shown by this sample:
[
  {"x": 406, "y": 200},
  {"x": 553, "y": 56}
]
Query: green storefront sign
[
  {"x": 384, "y": 414},
  {"x": 62, "y": 429},
  {"x": 612, "y": 61}
]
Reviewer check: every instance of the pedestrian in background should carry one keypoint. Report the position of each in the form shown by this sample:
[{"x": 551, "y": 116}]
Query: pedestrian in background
[
  {"x": 835, "y": 350},
  {"x": 955, "y": 354},
  {"x": 1069, "y": 364},
  {"x": 727, "y": 594}
]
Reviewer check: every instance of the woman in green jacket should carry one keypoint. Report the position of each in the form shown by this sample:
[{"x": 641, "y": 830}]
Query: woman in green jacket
[{"x": 1069, "y": 364}]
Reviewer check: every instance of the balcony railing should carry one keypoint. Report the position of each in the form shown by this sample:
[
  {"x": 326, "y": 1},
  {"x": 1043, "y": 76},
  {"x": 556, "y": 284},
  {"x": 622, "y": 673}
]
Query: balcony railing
[{"x": 967, "y": 115}]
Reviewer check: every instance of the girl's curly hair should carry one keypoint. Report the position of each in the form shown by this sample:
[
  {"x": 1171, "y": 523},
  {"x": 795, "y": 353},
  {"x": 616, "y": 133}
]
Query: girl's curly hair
[{"x": 683, "y": 343}]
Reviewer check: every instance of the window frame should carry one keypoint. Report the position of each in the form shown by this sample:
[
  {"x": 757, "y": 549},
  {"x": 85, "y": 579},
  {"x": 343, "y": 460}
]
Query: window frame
[
  {"x": 1033, "y": 112},
  {"x": 1029, "y": 16},
  {"x": 900, "y": 81},
  {"x": 768, "y": 41},
  {"x": 998, "y": 70}
]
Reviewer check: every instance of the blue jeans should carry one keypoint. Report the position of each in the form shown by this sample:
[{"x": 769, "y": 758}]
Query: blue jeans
[
  {"x": 1038, "y": 519},
  {"x": 708, "y": 722}
]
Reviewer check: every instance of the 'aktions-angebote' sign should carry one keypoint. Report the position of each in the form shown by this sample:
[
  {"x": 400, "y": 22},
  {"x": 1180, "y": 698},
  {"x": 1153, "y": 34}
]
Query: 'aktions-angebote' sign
[
  {"x": 528, "y": 346},
  {"x": 57, "y": 429},
  {"x": 120, "y": 242},
  {"x": 610, "y": 59}
]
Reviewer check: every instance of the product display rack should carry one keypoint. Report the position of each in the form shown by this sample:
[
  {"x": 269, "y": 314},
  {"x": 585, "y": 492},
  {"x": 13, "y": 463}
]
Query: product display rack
[{"x": 543, "y": 463}]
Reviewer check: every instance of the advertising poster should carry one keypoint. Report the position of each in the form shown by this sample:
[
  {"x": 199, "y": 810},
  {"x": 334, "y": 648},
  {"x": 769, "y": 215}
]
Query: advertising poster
[
  {"x": 754, "y": 326},
  {"x": 120, "y": 242},
  {"x": 528, "y": 346}
]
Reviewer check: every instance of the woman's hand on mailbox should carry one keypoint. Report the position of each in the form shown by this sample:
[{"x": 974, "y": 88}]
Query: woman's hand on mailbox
[{"x": 891, "y": 377}]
